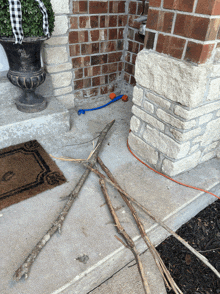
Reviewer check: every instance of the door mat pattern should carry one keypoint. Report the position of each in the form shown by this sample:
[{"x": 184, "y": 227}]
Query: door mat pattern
[{"x": 25, "y": 171}]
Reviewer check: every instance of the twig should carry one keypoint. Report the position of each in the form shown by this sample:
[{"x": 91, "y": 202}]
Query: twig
[
  {"x": 24, "y": 269},
  {"x": 159, "y": 262},
  {"x": 126, "y": 237},
  {"x": 161, "y": 223}
]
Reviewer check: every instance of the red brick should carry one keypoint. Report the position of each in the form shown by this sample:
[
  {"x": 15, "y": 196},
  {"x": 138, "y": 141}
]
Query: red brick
[
  {"x": 98, "y": 59},
  {"x": 113, "y": 6},
  {"x": 88, "y": 72},
  {"x": 78, "y": 84},
  {"x": 74, "y": 23},
  {"x": 84, "y": 22},
  {"x": 86, "y": 83},
  {"x": 104, "y": 90},
  {"x": 129, "y": 68},
  {"x": 73, "y": 37},
  {"x": 182, "y": 5},
  {"x": 198, "y": 53},
  {"x": 111, "y": 88},
  {"x": 132, "y": 81},
  {"x": 83, "y": 36},
  {"x": 80, "y": 7},
  {"x": 141, "y": 9},
  {"x": 120, "y": 33},
  {"x": 92, "y": 92},
  {"x": 104, "y": 21},
  {"x": 81, "y": 62},
  {"x": 149, "y": 40},
  {"x": 94, "y": 35},
  {"x": 98, "y": 7},
  {"x": 120, "y": 44},
  {"x": 133, "y": 47},
  {"x": 155, "y": 3},
  {"x": 165, "y": 21},
  {"x": 121, "y": 6},
  {"x": 74, "y": 50},
  {"x": 109, "y": 68},
  {"x": 141, "y": 47},
  {"x": 122, "y": 20},
  {"x": 218, "y": 45},
  {"x": 78, "y": 73},
  {"x": 95, "y": 48},
  {"x": 112, "y": 77},
  {"x": 113, "y": 57},
  {"x": 205, "y": 6},
  {"x": 170, "y": 45},
  {"x": 152, "y": 19},
  {"x": 113, "y": 34},
  {"x": 86, "y": 49},
  {"x": 216, "y": 8},
  {"x": 191, "y": 26},
  {"x": 120, "y": 66},
  {"x": 139, "y": 38},
  {"x": 213, "y": 29},
  {"x": 113, "y": 20},
  {"x": 127, "y": 77},
  {"x": 92, "y": 71},
  {"x": 134, "y": 56},
  {"x": 108, "y": 46},
  {"x": 94, "y": 21},
  {"x": 132, "y": 23},
  {"x": 96, "y": 70},
  {"x": 101, "y": 80},
  {"x": 128, "y": 57},
  {"x": 132, "y": 7}
]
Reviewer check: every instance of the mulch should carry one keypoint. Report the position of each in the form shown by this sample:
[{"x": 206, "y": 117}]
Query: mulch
[{"x": 203, "y": 233}]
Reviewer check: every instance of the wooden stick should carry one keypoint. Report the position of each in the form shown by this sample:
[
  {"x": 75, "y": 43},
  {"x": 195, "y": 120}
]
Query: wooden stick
[
  {"x": 159, "y": 262},
  {"x": 161, "y": 223},
  {"x": 24, "y": 269},
  {"x": 126, "y": 237}
]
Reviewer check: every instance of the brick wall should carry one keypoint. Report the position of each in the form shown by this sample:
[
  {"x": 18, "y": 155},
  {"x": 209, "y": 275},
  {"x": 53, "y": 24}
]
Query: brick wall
[
  {"x": 184, "y": 29},
  {"x": 96, "y": 44}
]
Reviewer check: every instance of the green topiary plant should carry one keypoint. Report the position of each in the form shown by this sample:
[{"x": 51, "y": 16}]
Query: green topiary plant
[{"x": 32, "y": 20}]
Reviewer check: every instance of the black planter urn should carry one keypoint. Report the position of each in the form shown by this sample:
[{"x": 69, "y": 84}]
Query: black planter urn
[{"x": 25, "y": 71}]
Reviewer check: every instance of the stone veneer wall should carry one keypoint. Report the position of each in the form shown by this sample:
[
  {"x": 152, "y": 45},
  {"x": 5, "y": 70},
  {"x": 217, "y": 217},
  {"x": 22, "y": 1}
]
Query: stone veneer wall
[{"x": 176, "y": 112}]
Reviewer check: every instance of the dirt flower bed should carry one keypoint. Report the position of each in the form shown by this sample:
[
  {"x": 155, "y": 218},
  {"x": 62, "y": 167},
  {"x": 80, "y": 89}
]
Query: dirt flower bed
[{"x": 203, "y": 233}]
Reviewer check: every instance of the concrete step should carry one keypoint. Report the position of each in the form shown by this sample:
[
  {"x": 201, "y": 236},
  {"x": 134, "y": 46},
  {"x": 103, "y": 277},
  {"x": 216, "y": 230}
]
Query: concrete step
[
  {"x": 128, "y": 281},
  {"x": 17, "y": 127},
  {"x": 88, "y": 228}
]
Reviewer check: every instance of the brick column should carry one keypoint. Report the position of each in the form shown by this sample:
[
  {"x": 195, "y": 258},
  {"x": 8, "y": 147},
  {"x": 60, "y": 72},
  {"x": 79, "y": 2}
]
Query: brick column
[{"x": 176, "y": 112}]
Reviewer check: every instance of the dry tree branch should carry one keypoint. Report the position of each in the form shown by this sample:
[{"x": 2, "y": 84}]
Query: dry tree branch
[
  {"x": 157, "y": 220},
  {"x": 126, "y": 237},
  {"x": 159, "y": 262},
  {"x": 24, "y": 269}
]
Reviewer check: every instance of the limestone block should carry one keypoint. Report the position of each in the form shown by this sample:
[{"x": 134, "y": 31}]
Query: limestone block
[
  {"x": 57, "y": 41},
  {"x": 60, "y": 6},
  {"x": 67, "y": 100},
  {"x": 147, "y": 118},
  {"x": 148, "y": 106},
  {"x": 58, "y": 68},
  {"x": 174, "y": 168},
  {"x": 215, "y": 70},
  {"x": 63, "y": 91},
  {"x": 205, "y": 118},
  {"x": 135, "y": 124},
  {"x": 158, "y": 100},
  {"x": 173, "y": 121},
  {"x": 174, "y": 79},
  {"x": 217, "y": 55},
  {"x": 214, "y": 89},
  {"x": 190, "y": 114},
  {"x": 194, "y": 148},
  {"x": 61, "y": 25},
  {"x": 208, "y": 156},
  {"x": 143, "y": 149},
  {"x": 186, "y": 135},
  {"x": 55, "y": 55},
  {"x": 165, "y": 144},
  {"x": 210, "y": 147},
  {"x": 60, "y": 80},
  {"x": 212, "y": 132},
  {"x": 138, "y": 95}
]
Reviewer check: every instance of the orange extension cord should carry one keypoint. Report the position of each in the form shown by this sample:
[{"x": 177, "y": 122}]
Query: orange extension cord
[{"x": 192, "y": 187}]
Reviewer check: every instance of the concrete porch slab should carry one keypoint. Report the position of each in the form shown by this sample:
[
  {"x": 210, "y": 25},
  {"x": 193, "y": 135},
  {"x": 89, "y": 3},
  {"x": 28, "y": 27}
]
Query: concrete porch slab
[
  {"x": 88, "y": 228},
  {"x": 17, "y": 127}
]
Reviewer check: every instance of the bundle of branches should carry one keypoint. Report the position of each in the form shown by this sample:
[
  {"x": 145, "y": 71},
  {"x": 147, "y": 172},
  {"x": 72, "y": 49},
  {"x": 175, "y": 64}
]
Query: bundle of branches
[{"x": 24, "y": 269}]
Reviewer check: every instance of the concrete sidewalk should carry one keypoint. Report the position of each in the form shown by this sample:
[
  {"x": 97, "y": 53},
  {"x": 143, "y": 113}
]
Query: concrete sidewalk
[{"x": 88, "y": 229}]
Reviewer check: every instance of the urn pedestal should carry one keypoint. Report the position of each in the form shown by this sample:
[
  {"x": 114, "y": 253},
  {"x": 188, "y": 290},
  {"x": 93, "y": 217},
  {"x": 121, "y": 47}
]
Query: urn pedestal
[{"x": 25, "y": 71}]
